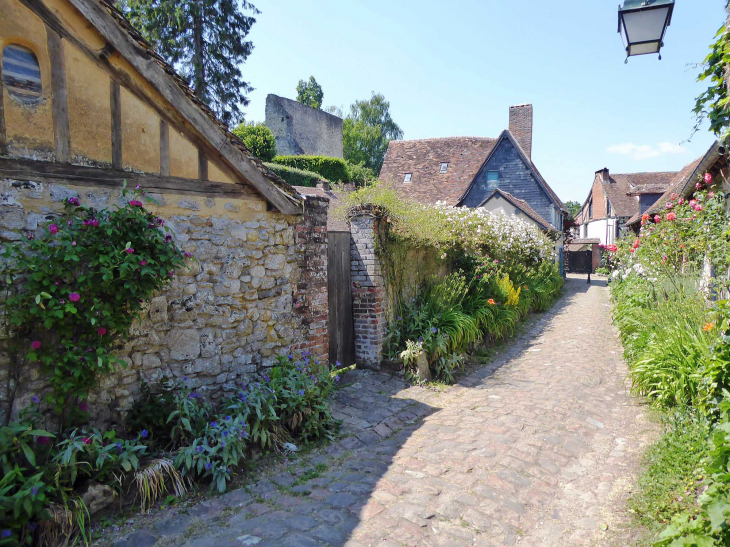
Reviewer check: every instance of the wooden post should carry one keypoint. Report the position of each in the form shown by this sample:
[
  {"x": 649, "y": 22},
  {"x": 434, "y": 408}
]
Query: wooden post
[
  {"x": 202, "y": 166},
  {"x": 115, "y": 100},
  {"x": 164, "y": 148},
  {"x": 59, "y": 97},
  {"x": 3, "y": 137}
]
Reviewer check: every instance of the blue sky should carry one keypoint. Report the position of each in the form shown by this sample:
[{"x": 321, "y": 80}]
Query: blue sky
[{"x": 453, "y": 68}]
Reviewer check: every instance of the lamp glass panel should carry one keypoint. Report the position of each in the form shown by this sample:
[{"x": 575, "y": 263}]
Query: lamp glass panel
[
  {"x": 645, "y": 25},
  {"x": 643, "y": 49}
]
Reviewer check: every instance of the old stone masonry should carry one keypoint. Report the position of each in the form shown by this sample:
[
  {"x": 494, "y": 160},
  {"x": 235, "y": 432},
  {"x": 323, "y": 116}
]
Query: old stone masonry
[{"x": 538, "y": 448}]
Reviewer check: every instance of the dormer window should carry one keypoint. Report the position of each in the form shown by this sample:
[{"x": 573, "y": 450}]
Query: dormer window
[
  {"x": 407, "y": 178},
  {"x": 444, "y": 167}
]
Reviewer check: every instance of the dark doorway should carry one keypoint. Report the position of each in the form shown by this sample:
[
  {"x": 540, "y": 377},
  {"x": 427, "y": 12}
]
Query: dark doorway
[{"x": 579, "y": 262}]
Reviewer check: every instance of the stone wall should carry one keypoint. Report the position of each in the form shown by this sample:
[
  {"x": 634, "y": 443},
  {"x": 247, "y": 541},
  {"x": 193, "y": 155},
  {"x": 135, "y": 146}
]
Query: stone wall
[
  {"x": 255, "y": 289},
  {"x": 301, "y": 129}
]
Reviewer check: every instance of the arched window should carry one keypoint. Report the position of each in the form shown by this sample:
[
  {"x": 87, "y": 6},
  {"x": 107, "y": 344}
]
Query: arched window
[{"x": 22, "y": 74}]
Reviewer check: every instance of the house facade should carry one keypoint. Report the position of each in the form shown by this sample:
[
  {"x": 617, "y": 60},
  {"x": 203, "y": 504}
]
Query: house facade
[
  {"x": 86, "y": 105},
  {"x": 615, "y": 198},
  {"x": 466, "y": 171}
]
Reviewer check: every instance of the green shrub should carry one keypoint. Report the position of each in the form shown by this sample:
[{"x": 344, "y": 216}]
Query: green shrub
[
  {"x": 360, "y": 175},
  {"x": 295, "y": 177},
  {"x": 331, "y": 169},
  {"x": 258, "y": 139},
  {"x": 74, "y": 292}
]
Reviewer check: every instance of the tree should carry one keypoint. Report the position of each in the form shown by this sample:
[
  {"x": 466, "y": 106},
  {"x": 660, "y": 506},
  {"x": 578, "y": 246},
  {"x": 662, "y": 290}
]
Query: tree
[
  {"x": 573, "y": 208},
  {"x": 310, "y": 93},
  {"x": 258, "y": 139},
  {"x": 367, "y": 130},
  {"x": 205, "y": 41}
]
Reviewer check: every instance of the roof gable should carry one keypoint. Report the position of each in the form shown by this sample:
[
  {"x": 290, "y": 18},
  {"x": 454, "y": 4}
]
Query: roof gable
[
  {"x": 523, "y": 206},
  {"x": 131, "y": 61},
  {"x": 422, "y": 158},
  {"x": 506, "y": 135}
]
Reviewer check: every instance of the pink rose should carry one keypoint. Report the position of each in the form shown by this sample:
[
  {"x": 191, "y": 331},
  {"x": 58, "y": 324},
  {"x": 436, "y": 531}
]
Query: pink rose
[
  {"x": 698, "y": 185},
  {"x": 35, "y": 344},
  {"x": 101, "y": 331},
  {"x": 657, "y": 219},
  {"x": 74, "y": 297},
  {"x": 53, "y": 229},
  {"x": 671, "y": 216},
  {"x": 129, "y": 250},
  {"x": 708, "y": 178},
  {"x": 86, "y": 440},
  {"x": 143, "y": 263}
]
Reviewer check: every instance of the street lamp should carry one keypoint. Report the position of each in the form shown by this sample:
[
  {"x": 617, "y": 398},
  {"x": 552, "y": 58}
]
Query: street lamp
[{"x": 642, "y": 24}]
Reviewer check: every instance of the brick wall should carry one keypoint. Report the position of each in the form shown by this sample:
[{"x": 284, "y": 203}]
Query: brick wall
[
  {"x": 520, "y": 125},
  {"x": 368, "y": 289}
]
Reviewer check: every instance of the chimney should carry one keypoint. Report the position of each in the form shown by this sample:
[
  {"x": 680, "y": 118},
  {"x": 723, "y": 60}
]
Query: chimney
[
  {"x": 520, "y": 125},
  {"x": 604, "y": 175}
]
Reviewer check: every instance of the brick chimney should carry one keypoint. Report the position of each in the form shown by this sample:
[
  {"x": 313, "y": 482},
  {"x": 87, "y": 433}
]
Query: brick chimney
[
  {"x": 520, "y": 125},
  {"x": 604, "y": 175}
]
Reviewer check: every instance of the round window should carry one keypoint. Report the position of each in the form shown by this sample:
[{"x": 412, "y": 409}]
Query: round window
[{"x": 22, "y": 74}]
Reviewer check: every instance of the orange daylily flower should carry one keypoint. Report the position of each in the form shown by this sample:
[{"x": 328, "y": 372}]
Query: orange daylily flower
[
  {"x": 491, "y": 302},
  {"x": 708, "y": 327}
]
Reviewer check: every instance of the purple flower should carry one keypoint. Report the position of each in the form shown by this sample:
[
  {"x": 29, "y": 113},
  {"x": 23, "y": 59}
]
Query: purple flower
[
  {"x": 6, "y": 533},
  {"x": 74, "y": 201},
  {"x": 187, "y": 254},
  {"x": 36, "y": 399},
  {"x": 208, "y": 465},
  {"x": 43, "y": 440},
  {"x": 34, "y": 490},
  {"x": 119, "y": 447},
  {"x": 73, "y": 244},
  {"x": 337, "y": 378},
  {"x": 301, "y": 393},
  {"x": 83, "y": 407},
  {"x": 225, "y": 433},
  {"x": 137, "y": 187},
  {"x": 433, "y": 330},
  {"x": 228, "y": 418},
  {"x": 53, "y": 229},
  {"x": 74, "y": 297},
  {"x": 144, "y": 434},
  {"x": 200, "y": 449},
  {"x": 213, "y": 424},
  {"x": 129, "y": 250},
  {"x": 135, "y": 203},
  {"x": 194, "y": 395},
  {"x": 35, "y": 344}
]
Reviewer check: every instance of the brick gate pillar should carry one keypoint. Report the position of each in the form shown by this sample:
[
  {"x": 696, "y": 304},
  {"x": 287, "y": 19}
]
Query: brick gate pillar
[{"x": 368, "y": 288}]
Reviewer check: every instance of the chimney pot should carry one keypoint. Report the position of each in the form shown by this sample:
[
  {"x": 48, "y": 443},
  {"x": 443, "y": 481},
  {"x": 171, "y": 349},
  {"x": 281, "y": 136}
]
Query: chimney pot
[
  {"x": 605, "y": 175},
  {"x": 520, "y": 125}
]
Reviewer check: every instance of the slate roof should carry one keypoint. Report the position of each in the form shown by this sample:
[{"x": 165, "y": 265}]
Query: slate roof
[
  {"x": 523, "y": 206},
  {"x": 423, "y": 157},
  {"x": 141, "y": 42}
]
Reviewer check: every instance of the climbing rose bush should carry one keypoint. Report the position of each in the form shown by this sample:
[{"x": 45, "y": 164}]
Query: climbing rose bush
[{"x": 73, "y": 292}]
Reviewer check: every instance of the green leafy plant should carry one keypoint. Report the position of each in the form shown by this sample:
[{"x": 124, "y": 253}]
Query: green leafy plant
[
  {"x": 74, "y": 292},
  {"x": 258, "y": 139},
  {"x": 328, "y": 168},
  {"x": 295, "y": 177}
]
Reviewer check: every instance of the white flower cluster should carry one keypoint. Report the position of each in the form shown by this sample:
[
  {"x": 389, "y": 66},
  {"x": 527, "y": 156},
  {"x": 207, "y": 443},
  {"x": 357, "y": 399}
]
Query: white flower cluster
[{"x": 501, "y": 235}]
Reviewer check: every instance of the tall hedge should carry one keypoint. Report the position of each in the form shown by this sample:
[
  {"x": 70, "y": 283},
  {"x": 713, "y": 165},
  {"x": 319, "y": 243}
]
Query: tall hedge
[
  {"x": 294, "y": 176},
  {"x": 332, "y": 169}
]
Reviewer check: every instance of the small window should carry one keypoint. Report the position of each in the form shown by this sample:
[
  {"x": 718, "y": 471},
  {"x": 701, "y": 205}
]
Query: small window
[
  {"x": 608, "y": 208},
  {"x": 493, "y": 179},
  {"x": 22, "y": 74},
  {"x": 444, "y": 167},
  {"x": 407, "y": 178},
  {"x": 590, "y": 209}
]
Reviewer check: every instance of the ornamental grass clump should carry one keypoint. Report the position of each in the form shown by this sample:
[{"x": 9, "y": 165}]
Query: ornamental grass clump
[{"x": 73, "y": 292}]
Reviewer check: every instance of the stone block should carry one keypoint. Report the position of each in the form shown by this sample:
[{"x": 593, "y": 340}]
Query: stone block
[
  {"x": 158, "y": 309},
  {"x": 184, "y": 344}
]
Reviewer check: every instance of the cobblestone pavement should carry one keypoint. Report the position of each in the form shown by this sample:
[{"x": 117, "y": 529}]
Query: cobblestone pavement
[{"x": 538, "y": 448}]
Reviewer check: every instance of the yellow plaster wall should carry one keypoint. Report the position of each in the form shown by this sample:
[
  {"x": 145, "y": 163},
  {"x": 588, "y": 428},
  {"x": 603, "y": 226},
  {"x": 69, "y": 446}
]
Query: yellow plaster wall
[
  {"x": 89, "y": 107},
  {"x": 27, "y": 126},
  {"x": 216, "y": 174},
  {"x": 183, "y": 156},
  {"x": 140, "y": 135}
]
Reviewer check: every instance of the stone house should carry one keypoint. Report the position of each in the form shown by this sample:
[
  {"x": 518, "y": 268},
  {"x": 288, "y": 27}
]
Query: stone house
[
  {"x": 86, "y": 104},
  {"x": 615, "y": 198},
  {"x": 466, "y": 171}
]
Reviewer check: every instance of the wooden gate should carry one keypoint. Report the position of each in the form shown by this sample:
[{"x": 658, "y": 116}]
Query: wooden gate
[
  {"x": 342, "y": 332},
  {"x": 579, "y": 262}
]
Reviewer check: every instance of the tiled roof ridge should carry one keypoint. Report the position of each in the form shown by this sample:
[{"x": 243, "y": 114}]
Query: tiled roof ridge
[{"x": 434, "y": 139}]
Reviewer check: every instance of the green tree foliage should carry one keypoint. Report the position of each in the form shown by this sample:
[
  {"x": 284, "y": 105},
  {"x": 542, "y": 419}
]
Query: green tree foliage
[
  {"x": 573, "y": 208},
  {"x": 310, "y": 93},
  {"x": 258, "y": 139},
  {"x": 367, "y": 130},
  {"x": 205, "y": 40}
]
